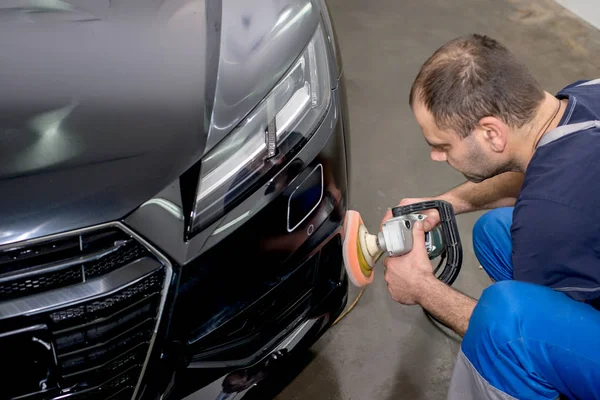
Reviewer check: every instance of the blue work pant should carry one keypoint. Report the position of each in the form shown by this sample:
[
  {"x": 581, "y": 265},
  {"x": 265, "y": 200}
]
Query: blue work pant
[{"x": 524, "y": 341}]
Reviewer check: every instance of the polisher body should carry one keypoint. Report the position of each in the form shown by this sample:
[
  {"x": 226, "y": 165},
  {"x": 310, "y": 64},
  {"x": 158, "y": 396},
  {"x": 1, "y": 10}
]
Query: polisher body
[{"x": 362, "y": 250}]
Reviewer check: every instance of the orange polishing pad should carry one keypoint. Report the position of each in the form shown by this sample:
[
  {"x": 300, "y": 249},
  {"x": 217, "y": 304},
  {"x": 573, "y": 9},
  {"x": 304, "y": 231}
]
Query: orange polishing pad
[{"x": 352, "y": 252}]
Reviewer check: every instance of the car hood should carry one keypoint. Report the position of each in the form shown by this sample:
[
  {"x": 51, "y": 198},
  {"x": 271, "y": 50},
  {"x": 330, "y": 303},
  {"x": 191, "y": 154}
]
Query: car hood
[{"x": 104, "y": 104}]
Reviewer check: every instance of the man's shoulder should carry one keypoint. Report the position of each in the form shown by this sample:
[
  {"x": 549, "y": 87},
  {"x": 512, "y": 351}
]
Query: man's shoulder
[
  {"x": 581, "y": 84},
  {"x": 575, "y": 84},
  {"x": 566, "y": 171},
  {"x": 583, "y": 95}
]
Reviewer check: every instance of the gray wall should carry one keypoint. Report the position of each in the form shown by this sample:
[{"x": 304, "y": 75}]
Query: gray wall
[{"x": 589, "y": 10}]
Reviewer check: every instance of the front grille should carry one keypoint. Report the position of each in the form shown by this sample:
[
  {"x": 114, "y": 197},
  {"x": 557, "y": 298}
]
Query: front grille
[
  {"x": 62, "y": 262},
  {"x": 96, "y": 346},
  {"x": 129, "y": 252},
  {"x": 153, "y": 282}
]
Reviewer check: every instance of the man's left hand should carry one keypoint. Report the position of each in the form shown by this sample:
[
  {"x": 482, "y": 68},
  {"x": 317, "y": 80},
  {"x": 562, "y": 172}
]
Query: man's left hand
[{"x": 408, "y": 276}]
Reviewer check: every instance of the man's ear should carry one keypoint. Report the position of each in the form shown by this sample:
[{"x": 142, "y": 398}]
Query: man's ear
[{"x": 495, "y": 133}]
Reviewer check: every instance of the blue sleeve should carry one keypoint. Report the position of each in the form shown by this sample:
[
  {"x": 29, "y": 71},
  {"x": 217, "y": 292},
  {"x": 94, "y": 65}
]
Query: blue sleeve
[{"x": 557, "y": 246}]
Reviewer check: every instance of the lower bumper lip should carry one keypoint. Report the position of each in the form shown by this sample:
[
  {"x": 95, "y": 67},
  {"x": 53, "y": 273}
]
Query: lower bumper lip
[
  {"x": 287, "y": 344},
  {"x": 237, "y": 383}
]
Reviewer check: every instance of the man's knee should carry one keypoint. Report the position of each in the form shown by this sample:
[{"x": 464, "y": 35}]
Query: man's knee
[
  {"x": 495, "y": 321},
  {"x": 519, "y": 335},
  {"x": 492, "y": 243},
  {"x": 491, "y": 225}
]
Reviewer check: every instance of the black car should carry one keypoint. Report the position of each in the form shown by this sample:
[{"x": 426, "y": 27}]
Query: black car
[{"x": 174, "y": 180}]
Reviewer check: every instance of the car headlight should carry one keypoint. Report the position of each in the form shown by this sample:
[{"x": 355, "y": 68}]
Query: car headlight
[{"x": 288, "y": 115}]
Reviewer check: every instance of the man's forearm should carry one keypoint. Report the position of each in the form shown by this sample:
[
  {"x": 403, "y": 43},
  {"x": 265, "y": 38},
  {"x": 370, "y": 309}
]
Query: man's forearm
[
  {"x": 499, "y": 191},
  {"x": 448, "y": 305}
]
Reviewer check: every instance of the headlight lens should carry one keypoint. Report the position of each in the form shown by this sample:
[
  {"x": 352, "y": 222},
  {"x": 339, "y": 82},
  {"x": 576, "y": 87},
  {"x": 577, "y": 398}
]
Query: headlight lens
[{"x": 287, "y": 115}]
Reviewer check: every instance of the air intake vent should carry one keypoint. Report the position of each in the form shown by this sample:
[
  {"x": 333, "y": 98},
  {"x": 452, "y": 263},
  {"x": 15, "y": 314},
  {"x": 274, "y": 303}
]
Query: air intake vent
[{"x": 78, "y": 313}]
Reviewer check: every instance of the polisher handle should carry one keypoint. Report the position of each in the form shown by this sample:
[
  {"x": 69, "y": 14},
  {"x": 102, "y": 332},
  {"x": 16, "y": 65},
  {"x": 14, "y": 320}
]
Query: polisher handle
[{"x": 451, "y": 238}]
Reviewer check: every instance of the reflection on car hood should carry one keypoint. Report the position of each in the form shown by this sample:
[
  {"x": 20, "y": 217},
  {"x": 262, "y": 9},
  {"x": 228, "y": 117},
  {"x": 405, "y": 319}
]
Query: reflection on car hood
[{"x": 100, "y": 108}]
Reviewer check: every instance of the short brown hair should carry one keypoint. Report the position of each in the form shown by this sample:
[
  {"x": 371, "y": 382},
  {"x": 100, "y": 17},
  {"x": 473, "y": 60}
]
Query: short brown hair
[{"x": 472, "y": 77}]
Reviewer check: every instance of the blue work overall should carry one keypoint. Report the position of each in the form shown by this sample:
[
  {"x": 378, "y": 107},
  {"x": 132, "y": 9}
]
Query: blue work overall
[{"x": 525, "y": 340}]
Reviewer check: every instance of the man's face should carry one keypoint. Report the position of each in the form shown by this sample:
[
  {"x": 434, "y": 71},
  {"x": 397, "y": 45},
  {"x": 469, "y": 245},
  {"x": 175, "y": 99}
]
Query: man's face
[{"x": 470, "y": 156}]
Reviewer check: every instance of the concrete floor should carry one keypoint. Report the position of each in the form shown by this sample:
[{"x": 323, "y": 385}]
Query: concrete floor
[{"x": 384, "y": 350}]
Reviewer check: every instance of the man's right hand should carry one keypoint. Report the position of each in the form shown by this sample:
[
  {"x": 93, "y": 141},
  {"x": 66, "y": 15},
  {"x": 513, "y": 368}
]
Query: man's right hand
[{"x": 433, "y": 217}]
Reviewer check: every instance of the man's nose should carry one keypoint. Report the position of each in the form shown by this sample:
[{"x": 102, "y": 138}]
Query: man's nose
[{"x": 438, "y": 155}]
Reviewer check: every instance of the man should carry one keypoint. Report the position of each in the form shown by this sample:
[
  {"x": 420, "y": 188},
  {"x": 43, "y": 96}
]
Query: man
[{"x": 533, "y": 158}]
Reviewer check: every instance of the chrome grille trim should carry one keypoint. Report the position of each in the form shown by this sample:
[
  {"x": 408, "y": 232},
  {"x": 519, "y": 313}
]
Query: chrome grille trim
[
  {"x": 70, "y": 295},
  {"x": 163, "y": 297},
  {"x": 61, "y": 265}
]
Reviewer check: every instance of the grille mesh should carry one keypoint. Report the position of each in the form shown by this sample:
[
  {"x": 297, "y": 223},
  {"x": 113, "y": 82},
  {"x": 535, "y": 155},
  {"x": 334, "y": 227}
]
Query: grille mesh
[
  {"x": 140, "y": 288},
  {"x": 40, "y": 283},
  {"x": 128, "y": 253},
  {"x": 114, "y": 248}
]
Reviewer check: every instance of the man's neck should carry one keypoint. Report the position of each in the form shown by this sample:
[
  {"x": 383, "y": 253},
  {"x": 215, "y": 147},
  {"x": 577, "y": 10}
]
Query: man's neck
[{"x": 547, "y": 118}]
